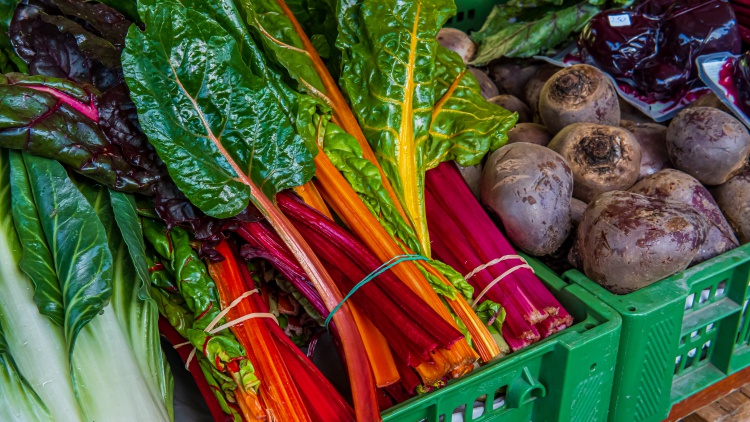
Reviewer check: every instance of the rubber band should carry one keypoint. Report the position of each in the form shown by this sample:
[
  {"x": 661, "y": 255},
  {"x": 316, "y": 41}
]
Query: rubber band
[
  {"x": 190, "y": 358},
  {"x": 243, "y": 319},
  {"x": 380, "y": 270},
  {"x": 210, "y": 327},
  {"x": 491, "y": 263},
  {"x": 177, "y": 346},
  {"x": 495, "y": 281},
  {"x": 226, "y": 310}
]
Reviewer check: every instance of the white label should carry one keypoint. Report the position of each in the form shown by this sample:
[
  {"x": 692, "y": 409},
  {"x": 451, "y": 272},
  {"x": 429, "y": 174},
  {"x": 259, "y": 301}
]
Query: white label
[{"x": 619, "y": 20}]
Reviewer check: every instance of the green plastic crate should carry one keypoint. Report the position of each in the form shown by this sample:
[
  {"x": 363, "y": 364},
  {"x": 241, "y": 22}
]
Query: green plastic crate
[
  {"x": 471, "y": 14},
  {"x": 679, "y": 335},
  {"x": 566, "y": 377}
]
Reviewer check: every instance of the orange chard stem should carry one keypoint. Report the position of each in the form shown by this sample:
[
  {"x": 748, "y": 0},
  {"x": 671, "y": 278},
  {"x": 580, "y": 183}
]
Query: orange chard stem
[
  {"x": 278, "y": 390},
  {"x": 309, "y": 193},
  {"x": 342, "y": 113},
  {"x": 483, "y": 341},
  {"x": 364, "y": 394},
  {"x": 378, "y": 352},
  {"x": 434, "y": 371},
  {"x": 350, "y": 208}
]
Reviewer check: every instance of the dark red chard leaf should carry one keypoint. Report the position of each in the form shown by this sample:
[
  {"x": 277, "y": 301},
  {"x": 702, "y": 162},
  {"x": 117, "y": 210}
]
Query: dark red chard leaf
[
  {"x": 45, "y": 49},
  {"x": 57, "y": 119},
  {"x": 98, "y": 18},
  {"x": 118, "y": 119},
  {"x": 78, "y": 44}
]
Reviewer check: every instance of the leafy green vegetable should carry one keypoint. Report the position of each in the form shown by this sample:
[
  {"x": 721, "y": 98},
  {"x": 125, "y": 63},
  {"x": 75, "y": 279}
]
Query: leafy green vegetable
[
  {"x": 19, "y": 402},
  {"x": 346, "y": 154},
  {"x": 36, "y": 259},
  {"x": 9, "y": 62},
  {"x": 111, "y": 348},
  {"x": 318, "y": 20},
  {"x": 511, "y": 30},
  {"x": 31, "y": 336},
  {"x": 279, "y": 39},
  {"x": 218, "y": 383},
  {"x": 464, "y": 126},
  {"x": 388, "y": 73},
  {"x": 218, "y": 127},
  {"x": 201, "y": 299},
  {"x": 136, "y": 311},
  {"x": 52, "y": 122},
  {"x": 84, "y": 269},
  {"x": 126, "y": 215}
]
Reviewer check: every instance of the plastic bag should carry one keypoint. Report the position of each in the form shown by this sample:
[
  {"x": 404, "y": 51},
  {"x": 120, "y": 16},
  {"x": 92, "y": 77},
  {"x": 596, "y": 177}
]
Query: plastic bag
[
  {"x": 728, "y": 76},
  {"x": 653, "y": 47}
]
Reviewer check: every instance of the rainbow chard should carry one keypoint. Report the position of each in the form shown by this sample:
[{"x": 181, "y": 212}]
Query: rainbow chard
[
  {"x": 226, "y": 138},
  {"x": 428, "y": 107}
]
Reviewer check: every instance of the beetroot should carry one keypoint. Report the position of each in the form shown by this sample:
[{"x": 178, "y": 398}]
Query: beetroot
[
  {"x": 674, "y": 185},
  {"x": 733, "y": 198},
  {"x": 627, "y": 241},
  {"x": 652, "y": 138},
  {"x": 529, "y": 187},
  {"x": 708, "y": 144}
]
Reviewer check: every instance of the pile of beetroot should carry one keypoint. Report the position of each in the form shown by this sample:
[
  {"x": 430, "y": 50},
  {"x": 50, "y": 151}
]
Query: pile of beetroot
[{"x": 587, "y": 181}]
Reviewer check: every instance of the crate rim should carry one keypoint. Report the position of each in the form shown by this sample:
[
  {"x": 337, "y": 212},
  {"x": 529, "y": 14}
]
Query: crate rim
[{"x": 609, "y": 319}]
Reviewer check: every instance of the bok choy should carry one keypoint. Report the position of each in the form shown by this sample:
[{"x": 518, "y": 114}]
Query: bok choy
[{"x": 82, "y": 269}]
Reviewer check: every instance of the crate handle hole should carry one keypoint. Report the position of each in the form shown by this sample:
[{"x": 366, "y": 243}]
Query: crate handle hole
[
  {"x": 524, "y": 390},
  {"x": 721, "y": 289},
  {"x": 631, "y": 308},
  {"x": 588, "y": 326},
  {"x": 705, "y": 295},
  {"x": 477, "y": 412}
]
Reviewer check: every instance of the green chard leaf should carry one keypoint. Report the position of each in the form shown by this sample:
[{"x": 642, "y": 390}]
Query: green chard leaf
[
  {"x": 221, "y": 385},
  {"x": 85, "y": 380},
  {"x": 281, "y": 42},
  {"x": 388, "y": 74},
  {"x": 346, "y": 154},
  {"x": 298, "y": 108},
  {"x": 318, "y": 20},
  {"x": 36, "y": 258},
  {"x": 220, "y": 128},
  {"x": 84, "y": 268},
  {"x": 464, "y": 126},
  {"x": 504, "y": 35},
  {"x": 201, "y": 300},
  {"x": 131, "y": 301},
  {"x": 19, "y": 402}
]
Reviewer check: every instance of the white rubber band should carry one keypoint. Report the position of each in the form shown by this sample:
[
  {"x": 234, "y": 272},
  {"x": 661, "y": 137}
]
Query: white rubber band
[
  {"x": 491, "y": 263},
  {"x": 177, "y": 346},
  {"x": 190, "y": 358},
  {"x": 241, "y": 320},
  {"x": 211, "y": 330},
  {"x": 228, "y": 308},
  {"x": 497, "y": 280}
]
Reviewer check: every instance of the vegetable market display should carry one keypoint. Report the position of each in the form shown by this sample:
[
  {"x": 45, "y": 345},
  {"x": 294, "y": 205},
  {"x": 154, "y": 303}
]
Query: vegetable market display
[{"x": 246, "y": 176}]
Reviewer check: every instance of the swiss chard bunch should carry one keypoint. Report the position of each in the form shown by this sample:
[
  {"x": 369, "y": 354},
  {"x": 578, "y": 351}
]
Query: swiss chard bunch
[{"x": 415, "y": 101}]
